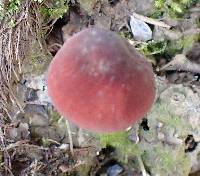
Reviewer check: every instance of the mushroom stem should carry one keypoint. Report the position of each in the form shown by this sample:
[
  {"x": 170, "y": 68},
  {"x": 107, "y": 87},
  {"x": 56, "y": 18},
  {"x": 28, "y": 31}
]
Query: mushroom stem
[
  {"x": 144, "y": 172},
  {"x": 71, "y": 146}
]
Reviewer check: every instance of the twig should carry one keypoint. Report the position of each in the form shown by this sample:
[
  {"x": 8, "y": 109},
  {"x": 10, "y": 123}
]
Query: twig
[
  {"x": 181, "y": 63},
  {"x": 17, "y": 51},
  {"x": 64, "y": 168},
  {"x": 151, "y": 21},
  {"x": 16, "y": 100},
  {"x": 16, "y": 144},
  {"x": 55, "y": 45},
  {"x": 21, "y": 18},
  {"x": 9, "y": 170}
]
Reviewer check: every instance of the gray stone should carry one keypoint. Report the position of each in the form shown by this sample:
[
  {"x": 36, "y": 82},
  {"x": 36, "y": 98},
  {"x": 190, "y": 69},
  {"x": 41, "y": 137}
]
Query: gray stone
[
  {"x": 174, "y": 116},
  {"x": 114, "y": 170},
  {"x": 143, "y": 7},
  {"x": 37, "y": 115},
  {"x": 141, "y": 31},
  {"x": 161, "y": 34}
]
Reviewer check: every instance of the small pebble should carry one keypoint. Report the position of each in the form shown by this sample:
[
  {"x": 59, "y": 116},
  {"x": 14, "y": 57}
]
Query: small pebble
[
  {"x": 161, "y": 136},
  {"x": 114, "y": 170},
  {"x": 141, "y": 31},
  {"x": 160, "y": 125},
  {"x": 64, "y": 147}
]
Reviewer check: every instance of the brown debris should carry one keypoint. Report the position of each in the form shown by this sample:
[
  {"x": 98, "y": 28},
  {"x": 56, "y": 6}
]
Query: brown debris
[{"x": 181, "y": 63}]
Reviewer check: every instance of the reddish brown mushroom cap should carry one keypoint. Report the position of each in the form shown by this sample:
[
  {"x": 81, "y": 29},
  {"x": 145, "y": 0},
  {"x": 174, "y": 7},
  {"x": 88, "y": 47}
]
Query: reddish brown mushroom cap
[{"x": 100, "y": 82}]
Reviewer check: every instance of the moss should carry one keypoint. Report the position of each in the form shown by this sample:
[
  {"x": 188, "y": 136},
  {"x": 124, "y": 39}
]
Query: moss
[
  {"x": 54, "y": 116},
  {"x": 126, "y": 34},
  {"x": 172, "y": 8},
  {"x": 54, "y": 9},
  {"x": 121, "y": 142},
  {"x": 174, "y": 47},
  {"x": 13, "y": 6},
  {"x": 189, "y": 40},
  {"x": 37, "y": 61},
  {"x": 162, "y": 160},
  {"x": 8, "y": 11},
  {"x": 152, "y": 47},
  {"x": 84, "y": 169},
  {"x": 172, "y": 121},
  {"x": 149, "y": 135},
  {"x": 45, "y": 142},
  {"x": 185, "y": 43}
]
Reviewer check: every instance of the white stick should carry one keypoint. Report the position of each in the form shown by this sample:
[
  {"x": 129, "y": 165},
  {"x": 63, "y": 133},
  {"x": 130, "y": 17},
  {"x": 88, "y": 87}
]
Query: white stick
[{"x": 151, "y": 20}]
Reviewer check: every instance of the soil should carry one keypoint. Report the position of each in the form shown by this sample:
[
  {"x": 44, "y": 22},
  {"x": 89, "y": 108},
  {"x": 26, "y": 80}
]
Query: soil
[{"x": 36, "y": 140}]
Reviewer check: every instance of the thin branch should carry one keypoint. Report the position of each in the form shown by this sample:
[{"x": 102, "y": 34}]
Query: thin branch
[
  {"x": 151, "y": 21},
  {"x": 181, "y": 63}
]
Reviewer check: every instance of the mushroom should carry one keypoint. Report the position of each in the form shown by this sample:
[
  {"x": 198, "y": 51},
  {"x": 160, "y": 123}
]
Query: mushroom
[{"x": 100, "y": 82}]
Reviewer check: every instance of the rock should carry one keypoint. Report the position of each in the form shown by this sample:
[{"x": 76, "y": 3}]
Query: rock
[
  {"x": 194, "y": 53},
  {"x": 134, "y": 134},
  {"x": 161, "y": 34},
  {"x": 37, "y": 59},
  {"x": 118, "y": 16},
  {"x": 36, "y": 82},
  {"x": 80, "y": 137},
  {"x": 39, "y": 84},
  {"x": 43, "y": 97},
  {"x": 161, "y": 136},
  {"x": 175, "y": 115},
  {"x": 195, "y": 159},
  {"x": 144, "y": 7},
  {"x": 75, "y": 24},
  {"x": 12, "y": 133},
  {"x": 141, "y": 31},
  {"x": 37, "y": 115},
  {"x": 183, "y": 101},
  {"x": 31, "y": 95},
  {"x": 88, "y": 5},
  {"x": 103, "y": 22},
  {"x": 18, "y": 132},
  {"x": 48, "y": 132},
  {"x": 114, "y": 170},
  {"x": 64, "y": 147},
  {"x": 23, "y": 130},
  {"x": 68, "y": 30}
]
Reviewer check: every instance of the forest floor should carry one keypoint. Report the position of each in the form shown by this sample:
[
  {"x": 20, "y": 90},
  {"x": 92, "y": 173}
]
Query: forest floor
[{"x": 34, "y": 138}]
